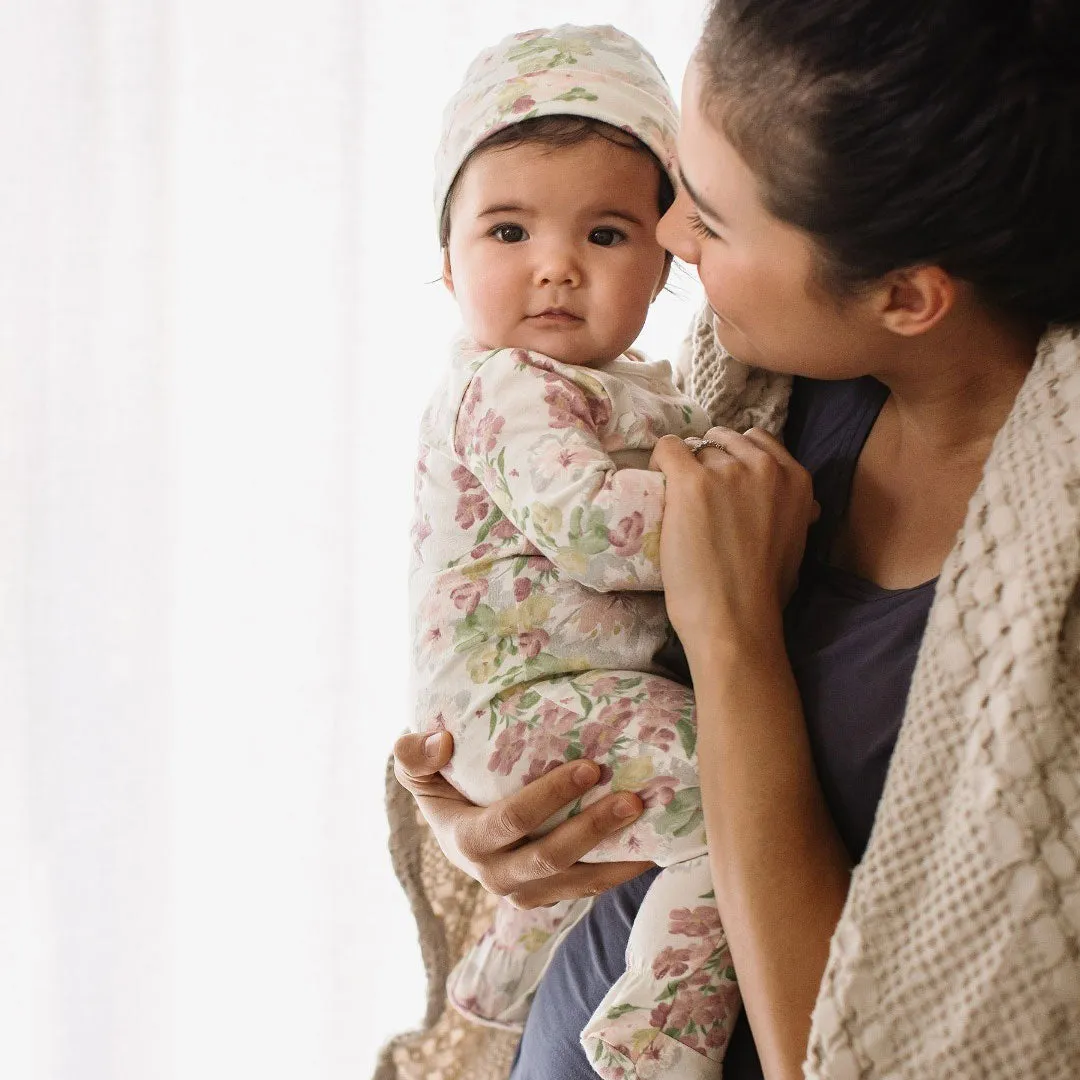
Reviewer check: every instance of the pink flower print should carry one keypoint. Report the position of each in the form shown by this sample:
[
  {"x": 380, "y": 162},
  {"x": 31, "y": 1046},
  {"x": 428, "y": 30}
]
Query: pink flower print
[
  {"x": 468, "y": 594},
  {"x": 681, "y": 1007},
  {"x": 509, "y": 747},
  {"x": 463, "y": 479},
  {"x": 727, "y": 999},
  {"x": 471, "y": 400},
  {"x": 421, "y": 530},
  {"x": 625, "y": 538},
  {"x": 598, "y": 739},
  {"x": 602, "y": 687},
  {"x": 503, "y": 529},
  {"x": 522, "y": 588},
  {"x": 487, "y": 429},
  {"x": 659, "y": 791},
  {"x": 554, "y": 718},
  {"x": 656, "y": 735},
  {"x": 702, "y": 921},
  {"x": 531, "y": 642},
  {"x": 568, "y": 406},
  {"x": 472, "y": 508},
  {"x": 481, "y": 550},
  {"x": 668, "y": 697},
  {"x": 599, "y": 409},
  {"x": 552, "y": 460},
  {"x": 671, "y": 963},
  {"x": 617, "y": 714},
  {"x": 606, "y": 614},
  {"x": 539, "y": 767},
  {"x": 658, "y": 1017},
  {"x": 523, "y": 104}
]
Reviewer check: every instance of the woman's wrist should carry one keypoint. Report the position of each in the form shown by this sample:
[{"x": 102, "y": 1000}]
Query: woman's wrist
[{"x": 725, "y": 647}]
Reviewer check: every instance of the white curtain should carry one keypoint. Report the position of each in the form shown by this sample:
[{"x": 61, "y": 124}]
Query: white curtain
[{"x": 217, "y": 330}]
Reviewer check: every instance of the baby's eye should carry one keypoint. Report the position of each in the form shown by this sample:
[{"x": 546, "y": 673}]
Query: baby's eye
[
  {"x": 509, "y": 234},
  {"x": 606, "y": 237}
]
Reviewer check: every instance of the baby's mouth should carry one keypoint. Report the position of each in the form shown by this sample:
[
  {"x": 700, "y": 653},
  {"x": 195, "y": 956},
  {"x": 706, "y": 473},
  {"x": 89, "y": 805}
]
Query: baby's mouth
[{"x": 556, "y": 315}]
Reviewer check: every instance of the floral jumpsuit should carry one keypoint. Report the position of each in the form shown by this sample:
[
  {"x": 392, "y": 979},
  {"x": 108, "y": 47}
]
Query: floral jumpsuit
[{"x": 537, "y": 611}]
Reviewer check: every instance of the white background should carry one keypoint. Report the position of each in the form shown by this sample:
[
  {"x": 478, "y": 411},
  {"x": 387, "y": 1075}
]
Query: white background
[{"x": 217, "y": 331}]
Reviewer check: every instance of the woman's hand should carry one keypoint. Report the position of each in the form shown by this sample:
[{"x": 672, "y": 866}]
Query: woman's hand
[
  {"x": 490, "y": 843},
  {"x": 734, "y": 531}
]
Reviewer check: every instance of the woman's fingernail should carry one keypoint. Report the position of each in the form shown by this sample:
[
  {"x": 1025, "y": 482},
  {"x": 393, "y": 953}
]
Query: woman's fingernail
[
  {"x": 433, "y": 746},
  {"x": 624, "y": 808},
  {"x": 585, "y": 775}
]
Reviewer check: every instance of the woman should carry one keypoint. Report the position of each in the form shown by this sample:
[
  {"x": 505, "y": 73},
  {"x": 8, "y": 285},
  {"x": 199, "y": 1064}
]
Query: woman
[{"x": 881, "y": 202}]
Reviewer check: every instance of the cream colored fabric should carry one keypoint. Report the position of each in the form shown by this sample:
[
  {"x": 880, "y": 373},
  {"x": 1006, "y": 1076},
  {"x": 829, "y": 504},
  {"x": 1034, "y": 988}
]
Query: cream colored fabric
[{"x": 958, "y": 953}]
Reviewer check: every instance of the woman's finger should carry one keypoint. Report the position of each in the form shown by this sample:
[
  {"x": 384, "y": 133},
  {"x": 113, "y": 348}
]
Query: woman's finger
[
  {"x": 581, "y": 879},
  {"x": 571, "y": 840},
  {"x": 670, "y": 453},
  {"x": 510, "y": 820},
  {"x": 417, "y": 760},
  {"x": 422, "y": 753}
]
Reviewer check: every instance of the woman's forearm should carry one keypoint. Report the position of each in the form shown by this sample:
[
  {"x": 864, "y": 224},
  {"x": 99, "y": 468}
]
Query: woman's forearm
[{"x": 781, "y": 872}]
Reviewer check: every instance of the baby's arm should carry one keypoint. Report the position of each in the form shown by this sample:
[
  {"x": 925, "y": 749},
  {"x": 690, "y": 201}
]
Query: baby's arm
[{"x": 532, "y": 437}]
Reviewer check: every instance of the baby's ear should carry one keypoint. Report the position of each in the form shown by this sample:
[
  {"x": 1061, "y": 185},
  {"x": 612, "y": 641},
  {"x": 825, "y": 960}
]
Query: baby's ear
[{"x": 447, "y": 273}]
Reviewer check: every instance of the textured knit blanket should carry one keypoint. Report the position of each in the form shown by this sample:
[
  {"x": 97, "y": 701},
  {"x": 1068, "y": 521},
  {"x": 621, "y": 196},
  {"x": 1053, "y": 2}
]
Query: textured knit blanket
[{"x": 958, "y": 951}]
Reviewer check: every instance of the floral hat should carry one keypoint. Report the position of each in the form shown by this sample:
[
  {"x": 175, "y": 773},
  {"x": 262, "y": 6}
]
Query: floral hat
[{"x": 593, "y": 71}]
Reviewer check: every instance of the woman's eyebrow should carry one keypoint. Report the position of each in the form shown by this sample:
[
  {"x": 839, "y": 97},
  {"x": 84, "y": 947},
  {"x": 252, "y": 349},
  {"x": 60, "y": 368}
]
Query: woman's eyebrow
[{"x": 698, "y": 201}]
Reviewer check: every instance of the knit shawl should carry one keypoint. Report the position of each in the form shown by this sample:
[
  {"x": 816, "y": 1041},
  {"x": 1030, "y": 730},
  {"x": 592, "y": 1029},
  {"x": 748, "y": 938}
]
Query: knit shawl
[{"x": 958, "y": 951}]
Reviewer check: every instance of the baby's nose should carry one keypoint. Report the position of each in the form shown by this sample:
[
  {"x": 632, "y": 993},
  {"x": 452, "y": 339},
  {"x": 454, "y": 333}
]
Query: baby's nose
[{"x": 558, "y": 266}]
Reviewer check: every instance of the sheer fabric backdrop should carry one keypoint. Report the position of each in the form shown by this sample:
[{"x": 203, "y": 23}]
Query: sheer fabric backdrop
[{"x": 217, "y": 330}]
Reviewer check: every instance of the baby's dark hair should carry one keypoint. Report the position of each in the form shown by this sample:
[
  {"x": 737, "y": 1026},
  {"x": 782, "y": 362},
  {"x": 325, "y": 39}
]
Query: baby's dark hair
[
  {"x": 554, "y": 132},
  {"x": 932, "y": 132}
]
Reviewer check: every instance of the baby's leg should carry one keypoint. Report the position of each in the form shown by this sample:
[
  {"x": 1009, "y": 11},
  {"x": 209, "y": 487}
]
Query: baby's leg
[
  {"x": 640, "y": 729},
  {"x": 672, "y": 1013},
  {"x": 495, "y": 981}
]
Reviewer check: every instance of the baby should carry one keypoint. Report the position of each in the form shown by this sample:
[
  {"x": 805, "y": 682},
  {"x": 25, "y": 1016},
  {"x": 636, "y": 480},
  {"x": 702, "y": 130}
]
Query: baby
[{"x": 535, "y": 583}]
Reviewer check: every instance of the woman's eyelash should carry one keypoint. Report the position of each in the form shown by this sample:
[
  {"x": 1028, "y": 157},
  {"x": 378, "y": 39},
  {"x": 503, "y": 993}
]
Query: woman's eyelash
[{"x": 699, "y": 226}]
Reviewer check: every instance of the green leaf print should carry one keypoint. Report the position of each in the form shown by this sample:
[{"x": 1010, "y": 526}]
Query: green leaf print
[
  {"x": 620, "y": 1010},
  {"x": 490, "y": 522},
  {"x": 682, "y": 815},
  {"x": 576, "y": 93},
  {"x": 687, "y": 732},
  {"x": 529, "y": 700}
]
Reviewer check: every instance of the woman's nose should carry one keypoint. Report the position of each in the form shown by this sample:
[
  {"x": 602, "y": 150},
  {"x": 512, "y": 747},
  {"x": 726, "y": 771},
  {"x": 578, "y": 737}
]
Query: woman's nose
[{"x": 674, "y": 233}]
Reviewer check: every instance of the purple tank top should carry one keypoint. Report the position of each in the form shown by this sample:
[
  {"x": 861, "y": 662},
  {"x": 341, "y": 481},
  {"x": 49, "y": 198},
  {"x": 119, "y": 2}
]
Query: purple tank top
[{"x": 852, "y": 646}]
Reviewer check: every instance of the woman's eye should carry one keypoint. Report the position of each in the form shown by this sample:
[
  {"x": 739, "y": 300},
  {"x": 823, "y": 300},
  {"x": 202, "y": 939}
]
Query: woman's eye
[
  {"x": 699, "y": 226},
  {"x": 509, "y": 234},
  {"x": 606, "y": 237}
]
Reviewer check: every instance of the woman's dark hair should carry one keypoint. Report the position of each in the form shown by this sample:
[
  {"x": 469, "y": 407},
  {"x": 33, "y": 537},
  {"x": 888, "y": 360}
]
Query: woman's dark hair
[
  {"x": 554, "y": 132},
  {"x": 929, "y": 132}
]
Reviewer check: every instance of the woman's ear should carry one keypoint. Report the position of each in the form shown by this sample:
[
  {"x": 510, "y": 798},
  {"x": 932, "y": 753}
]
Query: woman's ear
[
  {"x": 447, "y": 273},
  {"x": 916, "y": 299}
]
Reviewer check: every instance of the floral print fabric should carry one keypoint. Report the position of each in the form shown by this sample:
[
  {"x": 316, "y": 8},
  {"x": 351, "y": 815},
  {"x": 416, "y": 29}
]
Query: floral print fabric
[
  {"x": 537, "y": 607},
  {"x": 592, "y": 71}
]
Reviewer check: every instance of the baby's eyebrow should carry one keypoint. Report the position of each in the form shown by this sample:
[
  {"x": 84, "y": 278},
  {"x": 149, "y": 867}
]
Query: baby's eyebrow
[
  {"x": 504, "y": 208},
  {"x": 621, "y": 214}
]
